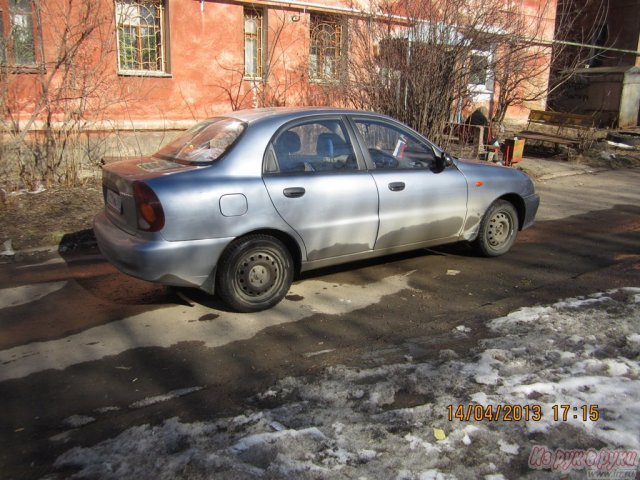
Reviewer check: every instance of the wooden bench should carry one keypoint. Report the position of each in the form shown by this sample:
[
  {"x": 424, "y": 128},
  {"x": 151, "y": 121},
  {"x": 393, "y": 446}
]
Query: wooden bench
[{"x": 568, "y": 129}]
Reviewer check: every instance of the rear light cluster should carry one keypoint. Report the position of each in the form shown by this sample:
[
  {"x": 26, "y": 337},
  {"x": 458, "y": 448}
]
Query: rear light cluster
[{"x": 150, "y": 212}]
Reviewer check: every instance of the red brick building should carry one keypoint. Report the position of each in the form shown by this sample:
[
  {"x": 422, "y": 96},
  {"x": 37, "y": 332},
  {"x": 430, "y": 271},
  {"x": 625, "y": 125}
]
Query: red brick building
[
  {"x": 162, "y": 61},
  {"x": 144, "y": 68}
]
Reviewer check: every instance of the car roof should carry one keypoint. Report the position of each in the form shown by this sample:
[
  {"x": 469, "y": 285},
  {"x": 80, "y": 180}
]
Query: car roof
[
  {"x": 275, "y": 117},
  {"x": 290, "y": 113}
]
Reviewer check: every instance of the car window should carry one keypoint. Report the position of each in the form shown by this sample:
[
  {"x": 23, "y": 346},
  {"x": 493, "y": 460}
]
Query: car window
[
  {"x": 204, "y": 143},
  {"x": 393, "y": 148},
  {"x": 316, "y": 146}
]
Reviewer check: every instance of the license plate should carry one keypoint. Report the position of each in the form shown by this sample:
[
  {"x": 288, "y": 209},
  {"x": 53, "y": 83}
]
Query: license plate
[{"x": 114, "y": 201}]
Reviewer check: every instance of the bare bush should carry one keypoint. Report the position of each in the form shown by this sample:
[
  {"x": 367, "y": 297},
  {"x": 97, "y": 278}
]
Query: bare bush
[
  {"x": 414, "y": 66},
  {"x": 426, "y": 63},
  {"x": 72, "y": 84}
]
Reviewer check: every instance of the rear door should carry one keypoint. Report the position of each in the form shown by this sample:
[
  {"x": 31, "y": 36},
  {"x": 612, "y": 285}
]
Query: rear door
[
  {"x": 418, "y": 202},
  {"x": 320, "y": 187}
]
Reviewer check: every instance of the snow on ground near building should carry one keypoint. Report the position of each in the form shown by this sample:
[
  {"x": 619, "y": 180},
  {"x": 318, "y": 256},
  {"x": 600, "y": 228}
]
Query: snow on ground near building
[{"x": 393, "y": 421}]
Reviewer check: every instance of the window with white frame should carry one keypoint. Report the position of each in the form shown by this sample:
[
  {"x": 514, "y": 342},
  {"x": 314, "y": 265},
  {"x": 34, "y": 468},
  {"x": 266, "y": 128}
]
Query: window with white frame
[
  {"x": 17, "y": 33},
  {"x": 480, "y": 73},
  {"x": 142, "y": 46},
  {"x": 325, "y": 55},
  {"x": 253, "y": 42}
]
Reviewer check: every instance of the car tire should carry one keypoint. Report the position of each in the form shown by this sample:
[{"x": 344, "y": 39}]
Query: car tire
[
  {"x": 627, "y": 138},
  {"x": 498, "y": 229},
  {"x": 254, "y": 273}
]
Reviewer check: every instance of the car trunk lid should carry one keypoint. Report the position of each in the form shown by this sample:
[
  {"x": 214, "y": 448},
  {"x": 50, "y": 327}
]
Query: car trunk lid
[{"x": 118, "y": 181}]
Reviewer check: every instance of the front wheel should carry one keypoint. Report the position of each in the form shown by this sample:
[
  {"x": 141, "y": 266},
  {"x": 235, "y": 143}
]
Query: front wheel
[
  {"x": 254, "y": 273},
  {"x": 498, "y": 229}
]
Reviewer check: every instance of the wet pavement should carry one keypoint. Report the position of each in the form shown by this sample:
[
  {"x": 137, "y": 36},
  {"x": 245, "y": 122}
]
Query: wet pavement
[{"x": 82, "y": 341}]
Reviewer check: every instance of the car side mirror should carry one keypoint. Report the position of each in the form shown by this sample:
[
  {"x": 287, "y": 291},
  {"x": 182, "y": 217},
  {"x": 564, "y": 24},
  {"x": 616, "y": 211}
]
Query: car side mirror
[{"x": 443, "y": 161}]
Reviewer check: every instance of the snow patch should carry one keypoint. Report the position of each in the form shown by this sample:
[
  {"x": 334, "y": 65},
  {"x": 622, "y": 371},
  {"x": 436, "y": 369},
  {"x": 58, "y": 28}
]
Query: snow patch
[
  {"x": 145, "y": 402},
  {"x": 344, "y": 423},
  {"x": 510, "y": 448},
  {"x": 75, "y": 421}
]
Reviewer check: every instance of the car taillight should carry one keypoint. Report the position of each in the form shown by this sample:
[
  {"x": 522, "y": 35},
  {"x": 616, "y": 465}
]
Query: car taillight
[{"x": 150, "y": 212}]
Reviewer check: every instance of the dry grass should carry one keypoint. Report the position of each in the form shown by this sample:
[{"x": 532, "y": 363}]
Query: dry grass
[{"x": 33, "y": 220}]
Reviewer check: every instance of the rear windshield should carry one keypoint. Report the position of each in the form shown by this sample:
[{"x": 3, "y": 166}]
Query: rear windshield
[{"x": 203, "y": 143}]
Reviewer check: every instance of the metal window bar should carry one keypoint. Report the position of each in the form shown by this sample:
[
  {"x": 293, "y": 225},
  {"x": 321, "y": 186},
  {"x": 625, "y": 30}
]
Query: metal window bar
[
  {"x": 326, "y": 48},
  {"x": 141, "y": 43},
  {"x": 3, "y": 55},
  {"x": 252, "y": 43}
]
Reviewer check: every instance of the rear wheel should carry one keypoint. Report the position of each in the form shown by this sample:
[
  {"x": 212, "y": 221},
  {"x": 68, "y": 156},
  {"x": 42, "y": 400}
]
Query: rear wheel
[
  {"x": 254, "y": 273},
  {"x": 498, "y": 229}
]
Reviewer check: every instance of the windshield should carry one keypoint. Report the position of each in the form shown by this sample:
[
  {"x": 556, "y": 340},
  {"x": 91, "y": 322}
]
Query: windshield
[{"x": 205, "y": 142}]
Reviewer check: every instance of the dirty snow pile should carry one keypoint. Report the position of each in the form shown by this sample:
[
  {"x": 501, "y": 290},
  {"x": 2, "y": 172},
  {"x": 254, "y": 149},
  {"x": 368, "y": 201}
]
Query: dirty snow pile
[{"x": 392, "y": 421}]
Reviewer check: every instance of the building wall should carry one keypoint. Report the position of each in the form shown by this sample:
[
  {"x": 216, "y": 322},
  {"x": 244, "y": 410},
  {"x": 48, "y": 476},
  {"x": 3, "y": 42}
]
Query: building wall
[
  {"x": 612, "y": 24},
  {"x": 206, "y": 48},
  {"x": 530, "y": 67},
  {"x": 624, "y": 31},
  {"x": 604, "y": 83}
]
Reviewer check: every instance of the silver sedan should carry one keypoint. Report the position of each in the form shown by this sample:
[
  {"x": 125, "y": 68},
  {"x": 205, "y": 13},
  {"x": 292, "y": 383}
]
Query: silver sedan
[{"x": 239, "y": 204}]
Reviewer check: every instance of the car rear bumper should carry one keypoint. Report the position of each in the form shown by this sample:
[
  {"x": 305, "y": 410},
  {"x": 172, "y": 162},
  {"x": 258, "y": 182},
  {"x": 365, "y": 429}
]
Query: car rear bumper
[
  {"x": 531, "y": 204},
  {"x": 189, "y": 263}
]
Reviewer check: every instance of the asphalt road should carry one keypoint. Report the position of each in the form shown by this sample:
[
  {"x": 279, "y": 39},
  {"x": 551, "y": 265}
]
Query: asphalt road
[{"x": 83, "y": 348}]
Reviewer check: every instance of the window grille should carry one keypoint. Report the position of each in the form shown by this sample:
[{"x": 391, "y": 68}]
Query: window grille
[
  {"x": 253, "y": 28},
  {"x": 141, "y": 35},
  {"x": 17, "y": 45},
  {"x": 326, "y": 48}
]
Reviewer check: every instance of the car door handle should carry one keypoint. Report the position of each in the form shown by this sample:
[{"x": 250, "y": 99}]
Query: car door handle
[
  {"x": 396, "y": 186},
  {"x": 294, "y": 192}
]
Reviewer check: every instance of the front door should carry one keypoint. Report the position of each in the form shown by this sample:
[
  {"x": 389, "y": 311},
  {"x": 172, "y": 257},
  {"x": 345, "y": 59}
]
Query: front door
[{"x": 418, "y": 202}]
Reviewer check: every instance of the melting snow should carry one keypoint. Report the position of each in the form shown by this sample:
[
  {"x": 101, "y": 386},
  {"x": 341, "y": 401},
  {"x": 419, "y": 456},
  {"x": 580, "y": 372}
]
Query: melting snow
[
  {"x": 345, "y": 424},
  {"x": 164, "y": 398},
  {"x": 78, "y": 420}
]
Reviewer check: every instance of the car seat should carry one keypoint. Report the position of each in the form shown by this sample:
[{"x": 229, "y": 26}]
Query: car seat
[
  {"x": 330, "y": 147},
  {"x": 287, "y": 144}
]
